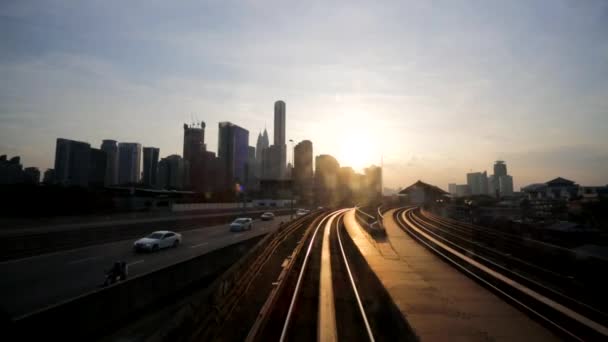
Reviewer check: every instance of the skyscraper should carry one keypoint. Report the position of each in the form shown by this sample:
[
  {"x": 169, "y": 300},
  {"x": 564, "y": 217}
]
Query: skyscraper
[
  {"x": 261, "y": 144},
  {"x": 303, "y": 171},
  {"x": 279, "y": 137},
  {"x": 129, "y": 163},
  {"x": 150, "y": 166},
  {"x": 326, "y": 180},
  {"x": 478, "y": 183},
  {"x": 195, "y": 156},
  {"x": 72, "y": 162},
  {"x": 110, "y": 147},
  {"x": 233, "y": 153},
  {"x": 500, "y": 168},
  {"x": 194, "y": 141},
  {"x": 500, "y": 184}
]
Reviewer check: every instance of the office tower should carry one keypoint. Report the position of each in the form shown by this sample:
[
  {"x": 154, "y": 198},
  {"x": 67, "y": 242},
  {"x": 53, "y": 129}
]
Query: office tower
[
  {"x": 97, "y": 168},
  {"x": 505, "y": 185},
  {"x": 194, "y": 140},
  {"x": 129, "y": 163},
  {"x": 233, "y": 153},
  {"x": 500, "y": 168},
  {"x": 110, "y": 147},
  {"x": 150, "y": 166},
  {"x": 326, "y": 180},
  {"x": 197, "y": 159},
  {"x": 500, "y": 184},
  {"x": 279, "y": 123},
  {"x": 261, "y": 144},
  {"x": 478, "y": 183},
  {"x": 303, "y": 171},
  {"x": 172, "y": 172},
  {"x": 72, "y": 162},
  {"x": 31, "y": 175},
  {"x": 279, "y": 137}
]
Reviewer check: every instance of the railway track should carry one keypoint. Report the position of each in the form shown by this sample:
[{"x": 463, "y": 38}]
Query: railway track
[
  {"x": 330, "y": 294},
  {"x": 514, "y": 279}
]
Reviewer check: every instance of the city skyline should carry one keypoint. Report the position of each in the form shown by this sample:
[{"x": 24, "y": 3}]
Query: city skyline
[{"x": 399, "y": 97}]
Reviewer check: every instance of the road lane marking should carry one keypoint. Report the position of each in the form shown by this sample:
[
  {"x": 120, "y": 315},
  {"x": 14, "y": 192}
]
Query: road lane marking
[
  {"x": 79, "y": 261},
  {"x": 135, "y": 262},
  {"x": 200, "y": 244}
]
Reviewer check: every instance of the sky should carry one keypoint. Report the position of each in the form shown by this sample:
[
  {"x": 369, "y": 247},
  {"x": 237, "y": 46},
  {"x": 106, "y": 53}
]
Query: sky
[{"x": 430, "y": 89}]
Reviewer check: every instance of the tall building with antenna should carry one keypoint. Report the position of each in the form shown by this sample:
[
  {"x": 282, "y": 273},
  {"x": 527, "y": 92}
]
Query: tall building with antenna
[{"x": 195, "y": 156}]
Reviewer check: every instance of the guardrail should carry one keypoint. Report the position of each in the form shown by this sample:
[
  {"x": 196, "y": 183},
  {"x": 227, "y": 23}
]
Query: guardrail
[
  {"x": 100, "y": 311},
  {"x": 373, "y": 225}
]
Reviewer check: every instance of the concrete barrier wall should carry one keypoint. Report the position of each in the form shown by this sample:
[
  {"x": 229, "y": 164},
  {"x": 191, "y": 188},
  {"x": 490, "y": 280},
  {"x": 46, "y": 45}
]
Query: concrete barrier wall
[
  {"x": 258, "y": 204},
  {"x": 101, "y": 311}
]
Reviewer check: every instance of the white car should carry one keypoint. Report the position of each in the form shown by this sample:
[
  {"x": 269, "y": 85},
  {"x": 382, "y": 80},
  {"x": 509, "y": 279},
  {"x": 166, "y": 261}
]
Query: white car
[
  {"x": 267, "y": 216},
  {"x": 302, "y": 212},
  {"x": 241, "y": 223},
  {"x": 158, "y": 240}
]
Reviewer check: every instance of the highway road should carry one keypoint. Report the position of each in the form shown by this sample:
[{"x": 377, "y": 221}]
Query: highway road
[{"x": 32, "y": 283}]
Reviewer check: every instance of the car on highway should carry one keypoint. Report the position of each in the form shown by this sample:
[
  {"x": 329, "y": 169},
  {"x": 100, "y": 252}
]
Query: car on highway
[
  {"x": 157, "y": 240},
  {"x": 267, "y": 216},
  {"x": 302, "y": 212},
  {"x": 241, "y": 223}
]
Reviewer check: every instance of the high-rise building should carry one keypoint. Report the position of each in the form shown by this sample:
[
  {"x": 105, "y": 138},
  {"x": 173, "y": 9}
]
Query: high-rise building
[
  {"x": 500, "y": 184},
  {"x": 172, "y": 172},
  {"x": 279, "y": 137},
  {"x": 72, "y": 162},
  {"x": 500, "y": 168},
  {"x": 303, "y": 171},
  {"x": 505, "y": 185},
  {"x": 150, "y": 172},
  {"x": 279, "y": 123},
  {"x": 110, "y": 147},
  {"x": 97, "y": 167},
  {"x": 478, "y": 183},
  {"x": 326, "y": 180},
  {"x": 233, "y": 153},
  {"x": 194, "y": 140},
  {"x": 129, "y": 163},
  {"x": 261, "y": 145}
]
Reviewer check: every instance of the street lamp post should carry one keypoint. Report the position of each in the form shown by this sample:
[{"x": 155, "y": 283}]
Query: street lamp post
[{"x": 292, "y": 176}]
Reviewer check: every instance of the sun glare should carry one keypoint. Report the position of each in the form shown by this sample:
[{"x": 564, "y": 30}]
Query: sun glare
[{"x": 356, "y": 151}]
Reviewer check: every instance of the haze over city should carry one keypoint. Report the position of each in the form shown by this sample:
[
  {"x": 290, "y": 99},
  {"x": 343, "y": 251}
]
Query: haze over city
[{"x": 434, "y": 90}]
